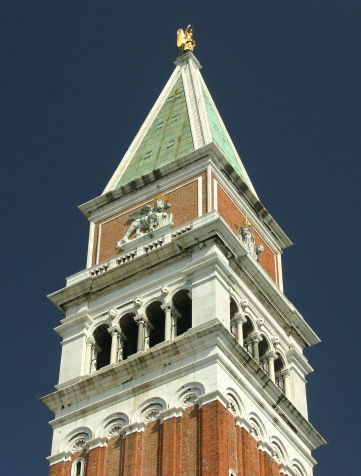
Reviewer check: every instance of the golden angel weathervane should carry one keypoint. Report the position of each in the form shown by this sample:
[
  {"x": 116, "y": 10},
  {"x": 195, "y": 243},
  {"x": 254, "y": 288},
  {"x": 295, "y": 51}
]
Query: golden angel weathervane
[{"x": 185, "y": 41}]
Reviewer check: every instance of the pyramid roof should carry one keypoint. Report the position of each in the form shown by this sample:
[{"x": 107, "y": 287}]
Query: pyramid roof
[{"x": 184, "y": 118}]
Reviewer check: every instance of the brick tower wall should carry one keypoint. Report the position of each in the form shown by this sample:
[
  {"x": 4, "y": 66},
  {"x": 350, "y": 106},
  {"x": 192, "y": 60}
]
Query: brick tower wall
[{"x": 203, "y": 442}]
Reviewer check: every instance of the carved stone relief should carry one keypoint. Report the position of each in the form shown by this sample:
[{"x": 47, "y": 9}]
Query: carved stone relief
[{"x": 148, "y": 219}]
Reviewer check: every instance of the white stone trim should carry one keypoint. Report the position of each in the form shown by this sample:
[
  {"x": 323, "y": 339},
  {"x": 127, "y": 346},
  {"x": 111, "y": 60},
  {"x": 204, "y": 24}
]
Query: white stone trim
[
  {"x": 200, "y": 196},
  {"x": 215, "y": 194},
  {"x": 209, "y": 188},
  {"x": 90, "y": 244}
]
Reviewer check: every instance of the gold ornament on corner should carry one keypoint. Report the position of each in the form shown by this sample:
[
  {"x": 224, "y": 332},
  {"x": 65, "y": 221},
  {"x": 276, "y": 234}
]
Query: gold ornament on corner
[{"x": 185, "y": 41}]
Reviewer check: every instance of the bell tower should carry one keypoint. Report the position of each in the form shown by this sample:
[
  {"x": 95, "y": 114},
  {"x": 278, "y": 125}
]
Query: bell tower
[{"x": 181, "y": 355}]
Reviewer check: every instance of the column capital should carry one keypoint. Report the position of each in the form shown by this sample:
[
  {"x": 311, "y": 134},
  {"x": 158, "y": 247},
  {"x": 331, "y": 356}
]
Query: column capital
[
  {"x": 239, "y": 318},
  {"x": 285, "y": 373},
  {"x": 271, "y": 355},
  {"x": 256, "y": 337},
  {"x": 90, "y": 340},
  {"x": 114, "y": 330},
  {"x": 141, "y": 319}
]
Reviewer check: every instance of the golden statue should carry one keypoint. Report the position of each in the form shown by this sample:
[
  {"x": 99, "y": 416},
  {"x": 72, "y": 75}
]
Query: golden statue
[{"x": 185, "y": 41}]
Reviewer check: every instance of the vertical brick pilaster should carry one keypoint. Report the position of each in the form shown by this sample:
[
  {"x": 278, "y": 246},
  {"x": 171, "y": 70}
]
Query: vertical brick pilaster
[
  {"x": 213, "y": 446},
  {"x": 150, "y": 455},
  {"x": 189, "y": 442},
  {"x": 114, "y": 457},
  {"x": 132, "y": 457},
  {"x": 95, "y": 462},
  {"x": 169, "y": 449},
  {"x": 240, "y": 462}
]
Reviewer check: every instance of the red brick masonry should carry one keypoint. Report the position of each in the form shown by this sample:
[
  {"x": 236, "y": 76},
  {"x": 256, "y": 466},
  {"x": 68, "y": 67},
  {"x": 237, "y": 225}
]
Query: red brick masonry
[{"x": 203, "y": 442}]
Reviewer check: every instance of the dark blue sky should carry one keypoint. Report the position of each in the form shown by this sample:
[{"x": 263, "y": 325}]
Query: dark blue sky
[{"x": 77, "y": 80}]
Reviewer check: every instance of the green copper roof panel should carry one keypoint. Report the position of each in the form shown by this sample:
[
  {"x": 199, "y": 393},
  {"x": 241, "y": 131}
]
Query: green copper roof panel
[
  {"x": 220, "y": 138},
  {"x": 168, "y": 138}
]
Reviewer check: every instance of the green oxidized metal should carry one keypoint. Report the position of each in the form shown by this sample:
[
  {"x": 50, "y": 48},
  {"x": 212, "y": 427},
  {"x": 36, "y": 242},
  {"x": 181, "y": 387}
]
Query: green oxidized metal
[{"x": 168, "y": 138}]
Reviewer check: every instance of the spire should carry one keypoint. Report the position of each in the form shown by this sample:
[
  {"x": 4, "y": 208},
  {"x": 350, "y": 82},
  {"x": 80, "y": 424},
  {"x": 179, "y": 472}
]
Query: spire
[{"x": 183, "y": 119}]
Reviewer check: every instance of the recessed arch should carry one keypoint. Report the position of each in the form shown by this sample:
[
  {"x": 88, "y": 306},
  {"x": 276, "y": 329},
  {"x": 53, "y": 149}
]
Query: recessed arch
[
  {"x": 258, "y": 428},
  {"x": 156, "y": 318},
  {"x": 280, "y": 451},
  {"x": 103, "y": 343},
  {"x": 149, "y": 410},
  {"x": 298, "y": 468},
  {"x": 77, "y": 439},
  {"x": 187, "y": 394},
  {"x": 231, "y": 392},
  {"x": 182, "y": 303},
  {"x": 129, "y": 334},
  {"x": 113, "y": 424}
]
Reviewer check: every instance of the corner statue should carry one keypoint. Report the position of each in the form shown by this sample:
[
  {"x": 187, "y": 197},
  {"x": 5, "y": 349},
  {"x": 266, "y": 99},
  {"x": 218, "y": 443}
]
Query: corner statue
[
  {"x": 249, "y": 241},
  {"x": 185, "y": 41},
  {"x": 148, "y": 218}
]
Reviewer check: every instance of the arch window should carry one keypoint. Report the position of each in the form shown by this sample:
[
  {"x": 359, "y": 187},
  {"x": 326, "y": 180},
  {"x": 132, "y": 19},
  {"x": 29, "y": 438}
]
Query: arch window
[
  {"x": 156, "y": 318},
  {"x": 78, "y": 467},
  {"x": 129, "y": 336},
  {"x": 182, "y": 318},
  {"x": 264, "y": 348},
  {"x": 233, "y": 310},
  {"x": 103, "y": 342},
  {"x": 279, "y": 368},
  {"x": 248, "y": 329}
]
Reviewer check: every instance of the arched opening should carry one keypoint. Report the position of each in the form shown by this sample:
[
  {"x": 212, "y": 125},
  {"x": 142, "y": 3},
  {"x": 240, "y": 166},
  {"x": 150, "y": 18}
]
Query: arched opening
[
  {"x": 279, "y": 367},
  {"x": 129, "y": 335},
  {"x": 183, "y": 306},
  {"x": 263, "y": 349},
  {"x": 233, "y": 310},
  {"x": 247, "y": 329},
  {"x": 156, "y": 318},
  {"x": 103, "y": 343},
  {"x": 78, "y": 467}
]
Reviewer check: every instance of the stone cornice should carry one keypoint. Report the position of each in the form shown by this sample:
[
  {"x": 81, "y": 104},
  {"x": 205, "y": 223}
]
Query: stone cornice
[
  {"x": 202, "y": 229},
  {"x": 212, "y": 335}
]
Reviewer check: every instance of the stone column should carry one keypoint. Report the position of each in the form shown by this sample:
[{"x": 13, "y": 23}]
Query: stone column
[
  {"x": 239, "y": 320},
  {"x": 286, "y": 382},
  {"x": 167, "y": 308},
  {"x": 271, "y": 365},
  {"x": 256, "y": 339},
  {"x": 115, "y": 333},
  {"x": 90, "y": 342},
  {"x": 141, "y": 320}
]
